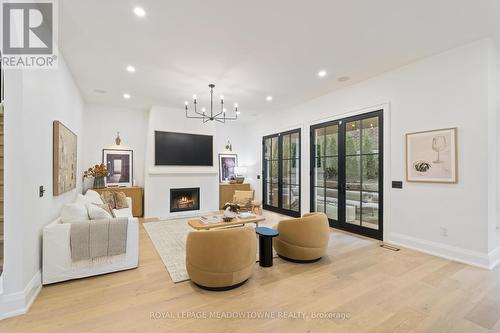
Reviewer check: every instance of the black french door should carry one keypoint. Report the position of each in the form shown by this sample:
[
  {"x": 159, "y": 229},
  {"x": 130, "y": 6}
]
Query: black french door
[
  {"x": 347, "y": 173},
  {"x": 281, "y": 172}
]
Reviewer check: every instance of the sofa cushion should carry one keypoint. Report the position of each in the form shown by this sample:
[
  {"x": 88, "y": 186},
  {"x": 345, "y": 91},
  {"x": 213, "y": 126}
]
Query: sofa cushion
[
  {"x": 93, "y": 197},
  {"x": 107, "y": 208},
  {"x": 97, "y": 213},
  {"x": 74, "y": 212},
  {"x": 120, "y": 200},
  {"x": 109, "y": 199}
]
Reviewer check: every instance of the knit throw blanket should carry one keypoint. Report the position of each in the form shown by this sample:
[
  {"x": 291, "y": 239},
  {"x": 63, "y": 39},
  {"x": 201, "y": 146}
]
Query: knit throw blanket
[{"x": 98, "y": 238}]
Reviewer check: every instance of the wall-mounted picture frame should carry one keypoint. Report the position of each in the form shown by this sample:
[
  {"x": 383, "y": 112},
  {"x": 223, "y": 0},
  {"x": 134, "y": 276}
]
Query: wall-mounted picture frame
[
  {"x": 64, "y": 153},
  {"x": 227, "y": 165},
  {"x": 432, "y": 156},
  {"x": 120, "y": 164}
]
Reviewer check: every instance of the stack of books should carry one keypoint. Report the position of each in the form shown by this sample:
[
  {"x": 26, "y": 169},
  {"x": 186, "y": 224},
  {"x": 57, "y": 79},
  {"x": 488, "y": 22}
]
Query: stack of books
[{"x": 211, "y": 219}]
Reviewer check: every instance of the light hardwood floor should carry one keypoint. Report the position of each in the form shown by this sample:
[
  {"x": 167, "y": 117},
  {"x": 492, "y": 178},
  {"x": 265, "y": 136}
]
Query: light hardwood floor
[{"x": 381, "y": 290}]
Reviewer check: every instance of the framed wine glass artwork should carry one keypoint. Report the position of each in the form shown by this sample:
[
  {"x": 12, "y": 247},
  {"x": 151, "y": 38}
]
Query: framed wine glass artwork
[{"x": 431, "y": 156}]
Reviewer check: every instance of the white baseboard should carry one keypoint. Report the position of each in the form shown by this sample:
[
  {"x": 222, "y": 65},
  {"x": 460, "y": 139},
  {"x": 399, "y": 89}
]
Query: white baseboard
[
  {"x": 454, "y": 253},
  {"x": 494, "y": 257},
  {"x": 16, "y": 304}
]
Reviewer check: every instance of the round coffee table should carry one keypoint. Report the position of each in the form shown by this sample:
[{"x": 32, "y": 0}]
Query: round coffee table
[{"x": 266, "y": 245}]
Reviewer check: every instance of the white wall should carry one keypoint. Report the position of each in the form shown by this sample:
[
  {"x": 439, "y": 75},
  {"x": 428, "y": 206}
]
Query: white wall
[
  {"x": 446, "y": 90},
  {"x": 101, "y": 123},
  {"x": 240, "y": 137},
  {"x": 494, "y": 153},
  {"x": 34, "y": 99}
]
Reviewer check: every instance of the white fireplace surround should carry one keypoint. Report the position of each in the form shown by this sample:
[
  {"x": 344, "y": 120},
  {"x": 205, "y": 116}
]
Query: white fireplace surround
[{"x": 160, "y": 179}]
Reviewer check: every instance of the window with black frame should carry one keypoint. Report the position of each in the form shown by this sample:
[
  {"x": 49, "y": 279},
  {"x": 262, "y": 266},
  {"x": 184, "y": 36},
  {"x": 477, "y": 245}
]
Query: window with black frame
[{"x": 281, "y": 172}]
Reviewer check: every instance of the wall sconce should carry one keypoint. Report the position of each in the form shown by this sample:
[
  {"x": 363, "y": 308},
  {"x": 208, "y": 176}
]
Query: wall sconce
[{"x": 229, "y": 146}]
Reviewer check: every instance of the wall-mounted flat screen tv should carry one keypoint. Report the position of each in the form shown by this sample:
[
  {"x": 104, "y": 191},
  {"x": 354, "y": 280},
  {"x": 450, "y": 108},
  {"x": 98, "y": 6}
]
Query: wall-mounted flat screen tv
[{"x": 183, "y": 149}]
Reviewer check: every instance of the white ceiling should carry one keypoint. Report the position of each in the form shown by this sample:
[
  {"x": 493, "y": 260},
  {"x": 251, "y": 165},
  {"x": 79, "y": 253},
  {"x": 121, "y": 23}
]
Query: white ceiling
[{"x": 251, "y": 49}]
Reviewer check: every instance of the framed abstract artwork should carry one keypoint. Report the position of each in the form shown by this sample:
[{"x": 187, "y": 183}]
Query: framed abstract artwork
[
  {"x": 431, "y": 156},
  {"x": 64, "y": 152},
  {"x": 120, "y": 165},
  {"x": 227, "y": 165}
]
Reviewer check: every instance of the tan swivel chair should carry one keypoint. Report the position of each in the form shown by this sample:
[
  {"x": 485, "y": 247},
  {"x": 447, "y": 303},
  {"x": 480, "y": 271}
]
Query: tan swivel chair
[
  {"x": 303, "y": 239},
  {"x": 221, "y": 259}
]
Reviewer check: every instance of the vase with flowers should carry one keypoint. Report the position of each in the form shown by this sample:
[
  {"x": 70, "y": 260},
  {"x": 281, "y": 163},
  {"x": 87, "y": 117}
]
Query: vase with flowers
[{"x": 98, "y": 172}]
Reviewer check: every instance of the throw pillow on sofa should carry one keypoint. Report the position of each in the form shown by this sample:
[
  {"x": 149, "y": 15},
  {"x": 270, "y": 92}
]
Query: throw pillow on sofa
[
  {"x": 120, "y": 200},
  {"x": 108, "y": 199},
  {"x": 97, "y": 213},
  {"x": 93, "y": 197},
  {"x": 73, "y": 213},
  {"x": 107, "y": 209}
]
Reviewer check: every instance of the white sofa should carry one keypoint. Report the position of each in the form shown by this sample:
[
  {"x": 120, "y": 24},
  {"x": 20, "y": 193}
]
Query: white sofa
[{"x": 57, "y": 265}]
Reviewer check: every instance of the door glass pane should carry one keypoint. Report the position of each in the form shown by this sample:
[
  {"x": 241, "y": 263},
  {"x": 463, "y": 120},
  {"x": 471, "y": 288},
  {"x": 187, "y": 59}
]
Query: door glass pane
[
  {"x": 286, "y": 197},
  {"x": 295, "y": 198},
  {"x": 331, "y": 172},
  {"x": 352, "y": 138},
  {"x": 370, "y": 172},
  {"x": 319, "y": 199},
  {"x": 268, "y": 193},
  {"x": 318, "y": 173},
  {"x": 295, "y": 145},
  {"x": 331, "y": 140},
  {"x": 274, "y": 195},
  {"x": 370, "y": 135},
  {"x": 267, "y": 149},
  {"x": 274, "y": 171},
  {"x": 274, "y": 148},
  {"x": 286, "y": 145},
  {"x": 295, "y": 172},
  {"x": 353, "y": 207},
  {"x": 268, "y": 171},
  {"x": 319, "y": 134},
  {"x": 369, "y": 209},
  {"x": 286, "y": 172},
  {"x": 353, "y": 172},
  {"x": 332, "y": 196}
]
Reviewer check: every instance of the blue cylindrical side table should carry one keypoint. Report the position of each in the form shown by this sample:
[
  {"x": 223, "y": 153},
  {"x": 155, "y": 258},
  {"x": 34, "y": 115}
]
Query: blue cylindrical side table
[{"x": 266, "y": 245}]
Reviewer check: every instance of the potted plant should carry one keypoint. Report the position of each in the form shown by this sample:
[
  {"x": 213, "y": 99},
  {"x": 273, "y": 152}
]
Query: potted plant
[{"x": 98, "y": 172}]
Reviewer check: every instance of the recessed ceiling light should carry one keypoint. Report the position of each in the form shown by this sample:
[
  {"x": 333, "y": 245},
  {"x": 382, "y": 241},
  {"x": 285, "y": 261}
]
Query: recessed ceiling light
[
  {"x": 130, "y": 69},
  {"x": 343, "y": 78},
  {"x": 139, "y": 11},
  {"x": 126, "y": 96},
  {"x": 322, "y": 73},
  {"x": 269, "y": 98}
]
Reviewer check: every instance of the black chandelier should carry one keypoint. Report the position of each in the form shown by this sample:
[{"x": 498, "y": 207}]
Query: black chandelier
[{"x": 220, "y": 117}]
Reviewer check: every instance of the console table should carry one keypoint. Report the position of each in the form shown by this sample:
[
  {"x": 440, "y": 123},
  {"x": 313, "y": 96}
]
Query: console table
[{"x": 135, "y": 193}]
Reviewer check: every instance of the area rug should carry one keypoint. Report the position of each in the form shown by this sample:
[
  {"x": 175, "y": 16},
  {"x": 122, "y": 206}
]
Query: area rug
[{"x": 169, "y": 239}]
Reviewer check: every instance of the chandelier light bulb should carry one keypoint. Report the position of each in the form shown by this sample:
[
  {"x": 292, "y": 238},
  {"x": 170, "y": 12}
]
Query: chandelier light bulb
[
  {"x": 186, "y": 103},
  {"x": 238, "y": 112},
  {"x": 194, "y": 97},
  {"x": 235, "y": 105},
  {"x": 221, "y": 97}
]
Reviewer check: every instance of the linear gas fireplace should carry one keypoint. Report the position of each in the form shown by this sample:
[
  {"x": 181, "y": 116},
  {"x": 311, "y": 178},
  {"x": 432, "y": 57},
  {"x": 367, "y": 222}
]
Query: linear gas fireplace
[{"x": 184, "y": 199}]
